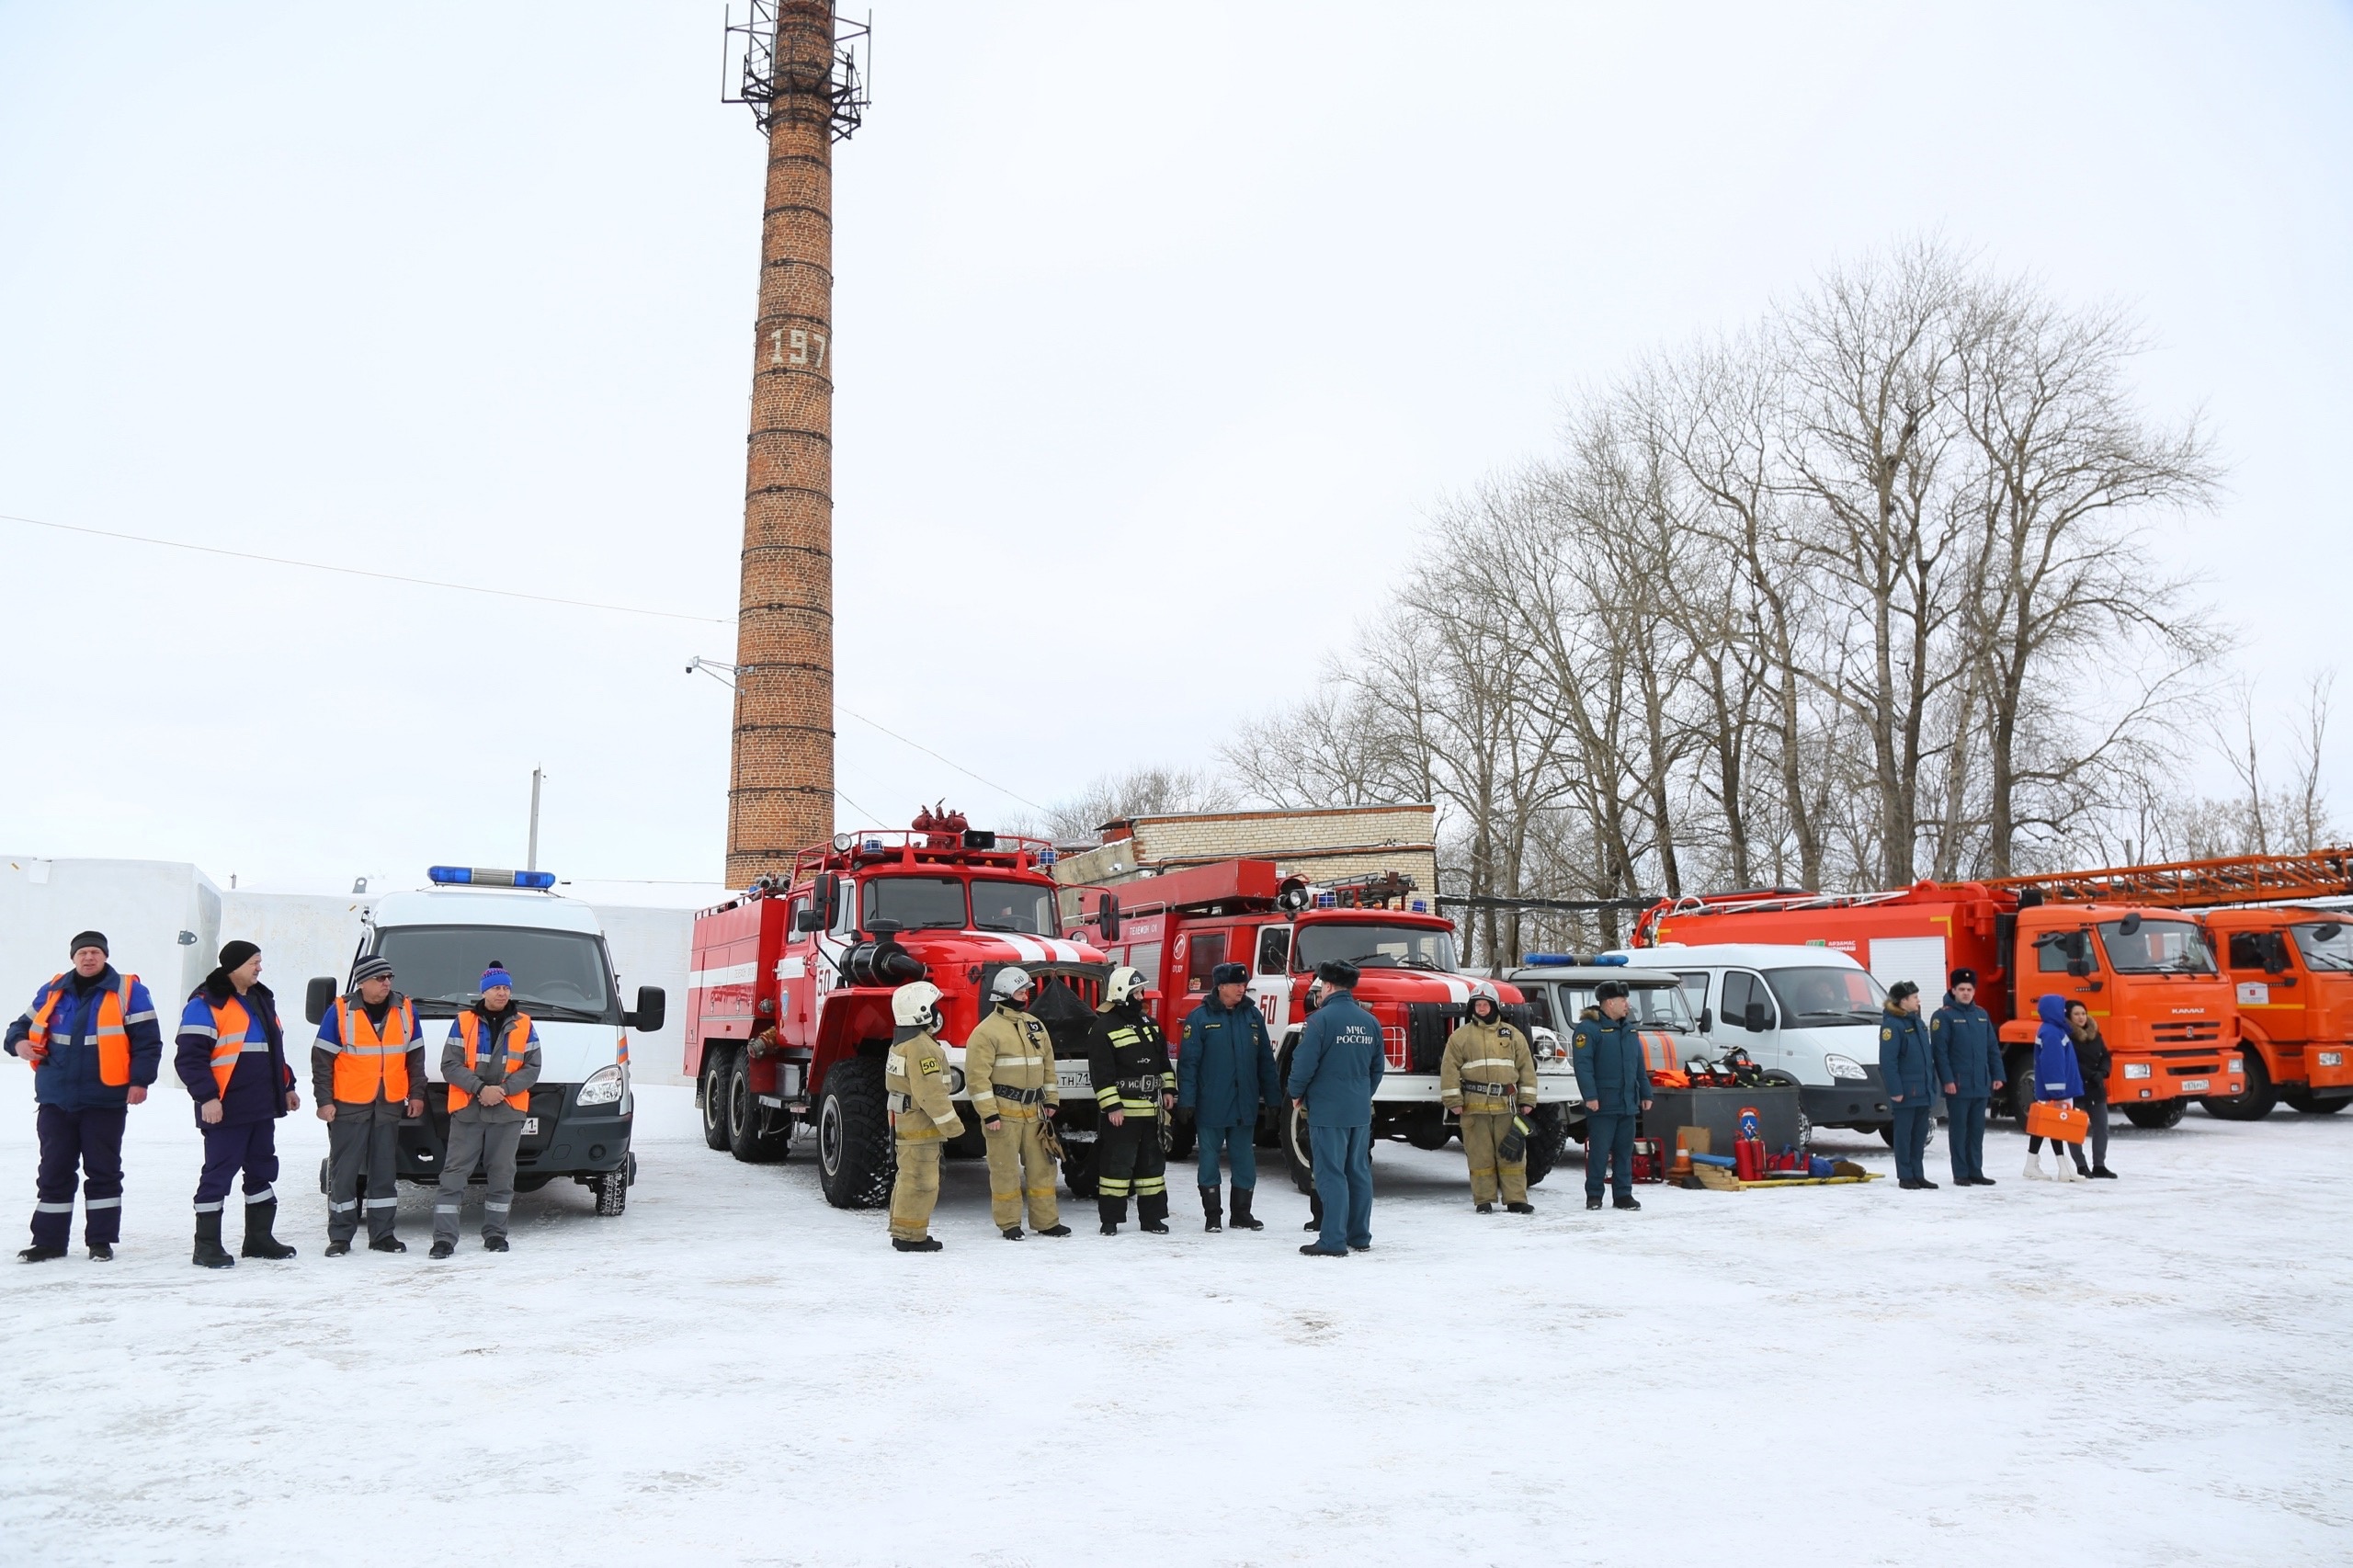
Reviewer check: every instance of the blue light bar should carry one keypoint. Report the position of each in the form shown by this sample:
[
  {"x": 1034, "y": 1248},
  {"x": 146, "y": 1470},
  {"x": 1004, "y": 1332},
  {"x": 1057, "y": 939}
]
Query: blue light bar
[
  {"x": 1612, "y": 958},
  {"x": 1535, "y": 961},
  {"x": 483, "y": 877}
]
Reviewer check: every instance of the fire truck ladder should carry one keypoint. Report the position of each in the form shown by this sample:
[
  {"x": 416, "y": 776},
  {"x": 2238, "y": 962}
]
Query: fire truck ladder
[{"x": 2199, "y": 884}]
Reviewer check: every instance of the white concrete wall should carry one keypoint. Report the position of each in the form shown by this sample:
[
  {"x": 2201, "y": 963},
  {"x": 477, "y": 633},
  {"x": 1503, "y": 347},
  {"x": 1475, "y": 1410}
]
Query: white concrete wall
[
  {"x": 143, "y": 906},
  {"x": 300, "y": 935}
]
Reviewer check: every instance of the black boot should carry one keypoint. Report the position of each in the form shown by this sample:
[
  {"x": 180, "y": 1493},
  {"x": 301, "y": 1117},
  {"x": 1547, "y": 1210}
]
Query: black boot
[
  {"x": 209, "y": 1253},
  {"x": 338, "y": 1247},
  {"x": 101, "y": 1252},
  {"x": 259, "y": 1243},
  {"x": 1212, "y": 1218},
  {"x": 928, "y": 1244},
  {"x": 1485, "y": 1208},
  {"x": 388, "y": 1244},
  {"x": 1111, "y": 1212},
  {"x": 38, "y": 1254},
  {"x": 1242, "y": 1219},
  {"x": 1519, "y": 1208},
  {"x": 1151, "y": 1212}
]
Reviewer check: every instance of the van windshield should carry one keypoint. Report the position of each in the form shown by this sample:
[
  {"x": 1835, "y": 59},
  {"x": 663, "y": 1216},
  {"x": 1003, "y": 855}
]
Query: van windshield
[
  {"x": 558, "y": 974},
  {"x": 1812, "y": 998},
  {"x": 1374, "y": 947},
  {"x": 2156, "y": 946},
  {"x": 2326, "y": 945},
  {"x": 1651, "y": 1007}
]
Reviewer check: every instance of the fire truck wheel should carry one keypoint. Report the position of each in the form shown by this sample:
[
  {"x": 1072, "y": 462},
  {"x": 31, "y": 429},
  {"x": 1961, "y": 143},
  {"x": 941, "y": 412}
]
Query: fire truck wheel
[
  {"x": 612, "y": 1191},
  {"x": 1078, "y": 1171},
  {"x": 714, "y": 1097},
  {"x": 2158, "y": 1117},
  {"x": 2021, "y": 1071},
  {"x": 2255, "y": 1104},
  {"x": 745, "y": 1115},
  {"x": 1297, "y": 1152},
  {"x": 854, "y": 1157},
  {"x": 1183, "y": 1137},
  {"x": 2301, "y": 1099},
  {"x": 1548, "y": 1134}
]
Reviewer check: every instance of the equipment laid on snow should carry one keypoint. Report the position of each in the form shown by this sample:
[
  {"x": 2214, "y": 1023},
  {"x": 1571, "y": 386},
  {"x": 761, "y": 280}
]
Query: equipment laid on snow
[{"x": 790, "y": 1005}]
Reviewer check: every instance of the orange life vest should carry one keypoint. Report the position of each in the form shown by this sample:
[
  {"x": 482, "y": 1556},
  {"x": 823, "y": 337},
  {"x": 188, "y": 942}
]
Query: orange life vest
[
  {"x": 370, "y": 1060},
  {"x": 519, "y": 1039},
  {"x": 1658, "y": 1055},
  {"x": 114, "y": 1037},
  {"x": 232, "y": 1025}
]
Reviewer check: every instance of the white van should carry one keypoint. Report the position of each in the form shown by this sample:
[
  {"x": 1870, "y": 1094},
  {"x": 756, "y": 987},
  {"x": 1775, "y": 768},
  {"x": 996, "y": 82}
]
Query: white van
[
  {"x": 439, "y": 940},
  {"x": 1810, "y": 1012}
]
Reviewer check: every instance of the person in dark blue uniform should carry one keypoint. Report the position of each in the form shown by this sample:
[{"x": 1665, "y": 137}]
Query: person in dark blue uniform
[
  {"x": 1907, "y": 1065},
  {"x": 1334, "y": 1069},
  {"x": 1968, "y": 1053},
  {"x": 232, "y": 1056}
]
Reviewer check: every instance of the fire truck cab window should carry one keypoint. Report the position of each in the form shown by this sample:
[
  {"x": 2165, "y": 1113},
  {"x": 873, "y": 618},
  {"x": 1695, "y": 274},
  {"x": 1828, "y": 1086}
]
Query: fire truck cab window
[
  {"x": 917, "y": 903},
  {"x": 2053, "y": 952},
  {"x": 2157, "y": 947},
  {"x": 2265, "y": 951},
  {"x": 1208, "y": 951},
  {"x": 1274, "y": 949},
  {"x": 792, "y": 912},
  {"x": 1013, "y": 907},
  {"x": 1370, "y": 946}
]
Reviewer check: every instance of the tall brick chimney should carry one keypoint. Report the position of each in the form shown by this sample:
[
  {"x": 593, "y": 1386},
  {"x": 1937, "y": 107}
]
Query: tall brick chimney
[{"x": 780, "y": 785}]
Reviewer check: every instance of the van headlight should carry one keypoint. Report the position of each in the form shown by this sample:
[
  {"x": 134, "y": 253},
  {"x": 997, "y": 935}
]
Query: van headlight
[
  {"x": 1844, "y": 1067},
  {"x": 603, "y": 1087},
  {"x": 2136, "y": 1070}
]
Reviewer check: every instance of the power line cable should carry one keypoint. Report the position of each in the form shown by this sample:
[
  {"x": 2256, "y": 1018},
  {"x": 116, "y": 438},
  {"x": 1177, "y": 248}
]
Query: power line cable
[
  {"x": 928, "y": 752},
  {"x": 362, "y": 571}
]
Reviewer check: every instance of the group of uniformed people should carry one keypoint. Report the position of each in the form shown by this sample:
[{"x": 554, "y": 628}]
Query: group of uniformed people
[
  {"x": 94, "y": 1041},
  {"x": 1224, "y": 1075}
]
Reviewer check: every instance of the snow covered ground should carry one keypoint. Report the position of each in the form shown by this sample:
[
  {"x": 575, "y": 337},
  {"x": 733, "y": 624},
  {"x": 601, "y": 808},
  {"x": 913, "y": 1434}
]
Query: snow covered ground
[{"x": 2153, "y": 1371}]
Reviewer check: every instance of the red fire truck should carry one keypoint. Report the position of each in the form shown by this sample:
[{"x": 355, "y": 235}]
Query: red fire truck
[
  {"x": 2147, "y": 974},
  {"x": 1179, "y": 926},
  {"x": 2291, "y": 965},
  {"x": 789, "y": 1003}
]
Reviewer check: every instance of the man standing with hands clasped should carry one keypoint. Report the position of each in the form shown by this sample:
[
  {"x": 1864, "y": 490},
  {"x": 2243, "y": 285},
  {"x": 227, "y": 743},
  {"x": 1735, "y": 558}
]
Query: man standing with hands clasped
[
  {"x": 93, "y": 1043},
  {"x": 232, "y": 1056},
  {"x": 1907, "y": 1066},
  {"x": 491, "y": 1060},
  {"x": 367, "y": 1072},
  {"x": 1615, "y": 1082},
  {"x": 1967, "y": 1050},
  {"x": 1337, "y": 1066}
]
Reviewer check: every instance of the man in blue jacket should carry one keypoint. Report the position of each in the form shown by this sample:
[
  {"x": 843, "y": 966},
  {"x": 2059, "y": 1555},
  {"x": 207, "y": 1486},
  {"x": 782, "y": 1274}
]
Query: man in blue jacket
[
  {"x": 1967, "y": 1050},
  {"x": 1225, "y": 1071},
  {"x": 94, "y": 1044},
  {"x": 1337, "y": 1066},
  {"x": 1907, "y": 1066},
  {"x": 1615, "y": 1083},
  {"x": 232, "y": 1055}
]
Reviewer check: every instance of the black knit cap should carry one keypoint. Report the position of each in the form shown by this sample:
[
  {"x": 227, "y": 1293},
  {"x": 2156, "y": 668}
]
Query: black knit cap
[
  {"x": 234, "y": 954},
  {"x": 89, "y": 939}
]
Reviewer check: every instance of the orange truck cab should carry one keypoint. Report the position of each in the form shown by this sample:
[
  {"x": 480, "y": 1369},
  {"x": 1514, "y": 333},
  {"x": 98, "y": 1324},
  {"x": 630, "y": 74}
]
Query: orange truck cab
[
  {"x": 2148, "y": 975},
  {"x": 2292, "y": 972},
  {"x": 1179, "y": 926}
]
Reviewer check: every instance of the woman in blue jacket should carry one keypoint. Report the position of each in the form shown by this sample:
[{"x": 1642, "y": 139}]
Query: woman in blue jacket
[{"x": 2057, "y": 1076}]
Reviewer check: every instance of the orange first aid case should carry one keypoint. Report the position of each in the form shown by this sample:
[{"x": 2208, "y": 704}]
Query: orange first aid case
[{"x": 2049, "y": 1118}]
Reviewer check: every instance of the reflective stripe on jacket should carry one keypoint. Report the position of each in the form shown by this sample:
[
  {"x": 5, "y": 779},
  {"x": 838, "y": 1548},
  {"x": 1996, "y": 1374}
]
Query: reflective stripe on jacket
[
  {"x": 112, "y": 1032},
  {"x": 67, "y": 1071},
  {"x": 915, "y": 1074},
  {"x": 369, "y": 1062},
  {"x": 1493, "y": 1053},
  {"x": 233, "y": 1034}
]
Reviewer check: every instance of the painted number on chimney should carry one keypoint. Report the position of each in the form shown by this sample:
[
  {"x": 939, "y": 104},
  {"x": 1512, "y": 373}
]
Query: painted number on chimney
[{"x": 791, "y": 346}]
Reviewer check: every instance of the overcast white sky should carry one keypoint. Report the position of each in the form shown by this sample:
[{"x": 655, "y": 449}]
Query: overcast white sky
[{"x": 1161, "y": 328}]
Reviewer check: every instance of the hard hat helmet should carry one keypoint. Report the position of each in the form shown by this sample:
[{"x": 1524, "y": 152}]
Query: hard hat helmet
[
  {"x": 1125, "y": 985},
  {"x": 916, "y": 1005},
  {"x": 1010, "y": 981},
  {"x": 1485, "y": 991}
]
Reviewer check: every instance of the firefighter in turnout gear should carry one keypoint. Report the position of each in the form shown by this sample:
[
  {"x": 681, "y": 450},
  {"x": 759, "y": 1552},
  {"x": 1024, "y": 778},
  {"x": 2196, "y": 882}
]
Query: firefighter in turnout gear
[
  {"x": 923, "y": 1116},
  {"x": 1488, "y": 1074},
  {"x": 1009, "y": 1067},
  {"x": 1135, "y": 1089}
]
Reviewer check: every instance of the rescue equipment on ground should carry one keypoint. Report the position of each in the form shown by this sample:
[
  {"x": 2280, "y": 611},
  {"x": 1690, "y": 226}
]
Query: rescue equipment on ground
[{"x": 1648, "y": 1165}]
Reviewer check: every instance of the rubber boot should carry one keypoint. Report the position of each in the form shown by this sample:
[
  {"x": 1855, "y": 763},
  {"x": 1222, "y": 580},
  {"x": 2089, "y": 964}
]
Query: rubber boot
[
  {"x": 1211, "y": 1218},
  {"x": 1242, "y": 1219},
  {"x": 208, "y": 1252},
  {"x": 928, "y": 1244},
  {"x": 1110, "y": 1213},
  {"x": 259, "y": 1243},
  {"x": 2034, "y": 1167},
  {"x": 2065, "y": 1170},
  {"x": 1151, "y": 1212}
]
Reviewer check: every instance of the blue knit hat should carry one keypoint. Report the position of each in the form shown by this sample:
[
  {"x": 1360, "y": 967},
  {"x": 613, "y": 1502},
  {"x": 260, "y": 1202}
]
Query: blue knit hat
[{"x": 496, "y": 975}]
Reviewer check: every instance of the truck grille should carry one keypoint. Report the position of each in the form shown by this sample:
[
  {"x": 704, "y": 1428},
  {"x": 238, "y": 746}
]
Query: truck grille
[
  {"x": 1423, "y": 1041},
  {"x": 2188, "y": 1030}
]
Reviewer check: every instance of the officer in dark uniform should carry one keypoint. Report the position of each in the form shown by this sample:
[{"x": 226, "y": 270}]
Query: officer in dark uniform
[{"x": 1135, "y": 1089}]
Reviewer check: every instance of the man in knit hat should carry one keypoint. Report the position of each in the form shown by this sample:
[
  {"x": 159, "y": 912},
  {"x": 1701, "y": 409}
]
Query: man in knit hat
[
  {"x": 490, "y": 1062},
  {"x": 232, "y": 1056},
  {"x": 94, "y": 1046},
  {"x": 367, "y": 1072}
]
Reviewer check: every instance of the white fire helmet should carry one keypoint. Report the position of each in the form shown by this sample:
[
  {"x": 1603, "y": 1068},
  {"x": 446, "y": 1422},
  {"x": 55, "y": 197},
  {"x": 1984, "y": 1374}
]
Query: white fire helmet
[
  {"x": 1125, "y": 985},
  {"x": 1011, "y": 983},
  {"x": 916, "y": 1005},
  {"x": 1483, "y": 991}
]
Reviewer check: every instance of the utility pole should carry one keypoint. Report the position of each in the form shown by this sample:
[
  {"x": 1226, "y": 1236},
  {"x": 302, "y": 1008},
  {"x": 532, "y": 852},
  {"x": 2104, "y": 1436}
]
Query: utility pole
[{"x": 531, "y": 856}]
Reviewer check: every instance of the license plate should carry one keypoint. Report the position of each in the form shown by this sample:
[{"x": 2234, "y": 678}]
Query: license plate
[
  {"x": 531, "y": 1123},
  {"x": 2332, "y": 1059},
  {"x": 2192, "y": 1085}
]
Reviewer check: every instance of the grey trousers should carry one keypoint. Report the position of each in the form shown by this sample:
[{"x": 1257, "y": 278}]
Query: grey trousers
[
  {"x": 491, "y": 1144},
  {"x": 362, "y": 1146}
]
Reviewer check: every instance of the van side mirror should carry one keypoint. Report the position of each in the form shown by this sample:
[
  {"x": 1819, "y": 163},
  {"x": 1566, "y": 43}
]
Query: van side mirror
[
  {"x": 2275, "y": 956},
  {"x": 827, "y": 900},
  {"x": 809, "y": 918},
  {"x": 1754, "y": 1019},
  {"x": 653, "y": 1006},
  {"x": 2079, "y": 967},
  {"x": 1107, "y": 917},
  {"x": 319, "y": 1000},
  {"x": 1707, "y": 1020}
]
